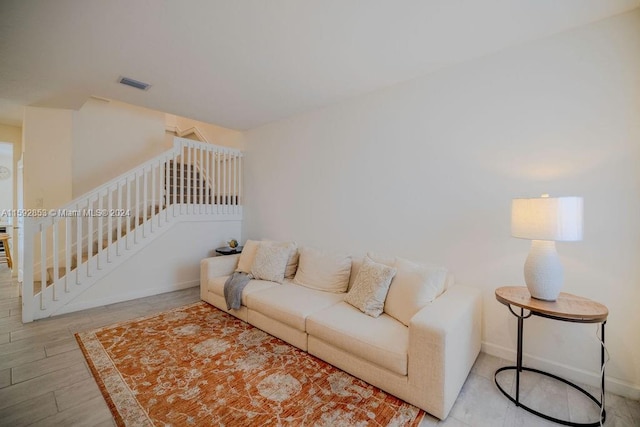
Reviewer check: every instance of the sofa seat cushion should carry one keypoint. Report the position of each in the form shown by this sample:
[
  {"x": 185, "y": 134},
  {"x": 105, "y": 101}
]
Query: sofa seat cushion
[
  {"x": 291, "y": 304},
  {"x": 216, "y": 285},
  {"x": 382, "y": 340}
]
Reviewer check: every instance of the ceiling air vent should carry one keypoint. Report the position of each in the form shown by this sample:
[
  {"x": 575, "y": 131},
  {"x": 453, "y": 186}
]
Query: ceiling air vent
[{"x": 134, "y": 83}]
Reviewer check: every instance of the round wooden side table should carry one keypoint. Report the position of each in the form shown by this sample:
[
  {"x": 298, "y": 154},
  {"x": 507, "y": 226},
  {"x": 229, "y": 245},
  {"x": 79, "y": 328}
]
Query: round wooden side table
[{"x": 567, "y": 308}]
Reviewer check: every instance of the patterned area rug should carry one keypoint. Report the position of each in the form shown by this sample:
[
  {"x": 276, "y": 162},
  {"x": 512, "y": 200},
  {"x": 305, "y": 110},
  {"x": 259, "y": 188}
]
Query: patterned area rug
[{"x": 197, "y": 365}]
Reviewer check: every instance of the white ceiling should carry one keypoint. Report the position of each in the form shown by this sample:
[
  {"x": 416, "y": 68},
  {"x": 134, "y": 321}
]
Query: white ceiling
[{"x": 244, "y": 63}]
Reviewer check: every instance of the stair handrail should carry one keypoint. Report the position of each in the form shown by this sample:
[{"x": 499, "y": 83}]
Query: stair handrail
[{"x": 181, "y": 133}]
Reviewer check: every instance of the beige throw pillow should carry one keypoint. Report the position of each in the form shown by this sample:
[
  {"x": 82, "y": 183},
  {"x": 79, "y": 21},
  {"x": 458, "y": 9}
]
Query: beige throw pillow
[
  {"x": 292, "y": 262},
  {"x": 370, "y": 287},
  {"x": 414, "y": 286},
  {"x": 323, "y": 271},
  {"x": 270, "y": 262},
  {"x": 247, "y": 256}
]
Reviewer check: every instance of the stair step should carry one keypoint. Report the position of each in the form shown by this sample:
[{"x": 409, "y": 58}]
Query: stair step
[
  {"x": 195, "y": 199},
  {"x": 194, "y": 183},
  {"x": 186, "y": 168},
  {"x": 180, "y": 164},
  {"x": 105, "y": 243},
  {"x": 180, "y": 168},
  {"x": 37, "y": 287},
  {"x": 62, "y": 271},
  {"x": 74, "y": 259},
  {"x": 195, "y": 192},
  {"x": 184, "y": 181}
]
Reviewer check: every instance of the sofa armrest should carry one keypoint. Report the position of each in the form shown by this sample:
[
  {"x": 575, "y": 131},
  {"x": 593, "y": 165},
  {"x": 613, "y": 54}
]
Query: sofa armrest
[
  {"x": 217, "y": 266},
  {"x": 444, "y": 341}
]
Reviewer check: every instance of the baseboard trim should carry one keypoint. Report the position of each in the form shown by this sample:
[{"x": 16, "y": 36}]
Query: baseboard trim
[
  {"x": 71, "y": 307},
  {"x": 613, "y": 385}
]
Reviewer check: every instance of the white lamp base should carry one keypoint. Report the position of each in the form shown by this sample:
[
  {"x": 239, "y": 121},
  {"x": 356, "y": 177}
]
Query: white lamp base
[{"x": 543, "y": 272}]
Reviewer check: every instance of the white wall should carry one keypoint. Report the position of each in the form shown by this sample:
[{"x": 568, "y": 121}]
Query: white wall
[
  {"x": 169, "y": 263},
  {"x": 47, "y": 145},
  {"x": 427, "y": 170},
  {"x": 109, "y": 138}
]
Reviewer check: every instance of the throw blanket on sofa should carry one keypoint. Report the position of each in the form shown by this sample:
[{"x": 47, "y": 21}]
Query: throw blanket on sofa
[{"x": 233, "y": 288}]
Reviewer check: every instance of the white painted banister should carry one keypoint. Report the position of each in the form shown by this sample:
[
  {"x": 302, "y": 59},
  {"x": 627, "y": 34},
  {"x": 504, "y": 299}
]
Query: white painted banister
[{"x": 69, "y": 248}]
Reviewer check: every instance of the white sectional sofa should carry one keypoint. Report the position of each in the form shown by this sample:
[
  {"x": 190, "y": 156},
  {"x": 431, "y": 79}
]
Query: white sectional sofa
[{"x": 424, "y": 362}]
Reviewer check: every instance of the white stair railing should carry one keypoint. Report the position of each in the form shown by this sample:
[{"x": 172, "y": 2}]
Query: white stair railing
[{"x": 68, "y": 249}]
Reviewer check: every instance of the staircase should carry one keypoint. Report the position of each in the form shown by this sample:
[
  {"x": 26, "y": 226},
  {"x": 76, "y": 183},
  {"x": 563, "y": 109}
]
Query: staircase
[{"x": 78, "y": 244}]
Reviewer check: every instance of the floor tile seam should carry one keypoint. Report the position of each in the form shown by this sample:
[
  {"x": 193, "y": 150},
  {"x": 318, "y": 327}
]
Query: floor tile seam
[
  {"x": 20, "y": 363},
  {"x": 34, "y": 398},
  {"x": 46, "y": 358},
  {"x": 15, "y": 386}
]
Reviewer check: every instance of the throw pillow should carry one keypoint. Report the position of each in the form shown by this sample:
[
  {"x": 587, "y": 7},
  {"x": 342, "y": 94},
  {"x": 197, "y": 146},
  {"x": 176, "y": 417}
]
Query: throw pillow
[
  {"x": 292, "y": 262},
  {"x": 370, "y": 288},
  {"x": 270, "y": 262},
  {"x": 247, "y": 256},
  {"x": 414, "y": 286},
  {"x": 323, "y": 271}
]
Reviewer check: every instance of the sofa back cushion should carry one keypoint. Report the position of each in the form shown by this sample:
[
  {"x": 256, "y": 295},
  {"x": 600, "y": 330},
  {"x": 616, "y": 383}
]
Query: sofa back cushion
[
  {"x": 356, "y": 263},
  {"x": 247, "y": 256},
  {"x": 414, "y": 286},
  {"x": 323, "y": 270},
  {"x": 292, "y": 263}
]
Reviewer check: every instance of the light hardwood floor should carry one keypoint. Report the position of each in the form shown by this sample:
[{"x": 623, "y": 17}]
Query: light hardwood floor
[{"x": 45, "y": 381}]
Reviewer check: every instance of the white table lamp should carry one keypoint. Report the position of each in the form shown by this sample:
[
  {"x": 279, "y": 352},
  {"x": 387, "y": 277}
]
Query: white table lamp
[{"x": 545, "y": 220}]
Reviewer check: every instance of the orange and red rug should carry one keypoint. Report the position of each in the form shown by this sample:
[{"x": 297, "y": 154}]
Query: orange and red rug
[{"x": 197, "y": 365}]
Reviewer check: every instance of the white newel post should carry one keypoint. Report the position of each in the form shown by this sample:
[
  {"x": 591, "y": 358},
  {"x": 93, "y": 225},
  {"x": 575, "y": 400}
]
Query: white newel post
[
  {"x": 27, "y": 277},
  {"x": 79, "y": 241},
  {"x": 43, "y": 264},
  {"x": 67, "y": 252}
]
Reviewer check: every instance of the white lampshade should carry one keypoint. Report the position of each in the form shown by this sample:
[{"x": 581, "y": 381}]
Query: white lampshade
[{"x": 547, "y": 218}]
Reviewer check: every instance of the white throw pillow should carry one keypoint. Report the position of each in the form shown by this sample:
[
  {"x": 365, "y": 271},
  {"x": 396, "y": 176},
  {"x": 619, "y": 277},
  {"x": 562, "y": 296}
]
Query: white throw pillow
[
  {"x": 370, "y": 288},
  {"x": 247, "y": 256},
  {"x": 323, "y": 271},
  {"x": 270, "y": 261},
  {"x": 414, "y": 286},
  {"x": 292, "y": 262}
]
